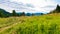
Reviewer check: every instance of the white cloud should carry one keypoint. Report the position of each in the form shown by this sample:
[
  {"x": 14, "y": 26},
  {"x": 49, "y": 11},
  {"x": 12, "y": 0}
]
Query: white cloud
[
  {"x": 36, "y": 2},
  {"x": 39, "y": 5},
  {"x": 6, "y": 8}
]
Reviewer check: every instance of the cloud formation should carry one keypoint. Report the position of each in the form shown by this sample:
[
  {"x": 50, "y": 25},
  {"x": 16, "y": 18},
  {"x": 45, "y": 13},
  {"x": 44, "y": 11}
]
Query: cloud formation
[{"x": 32, "y": 6}]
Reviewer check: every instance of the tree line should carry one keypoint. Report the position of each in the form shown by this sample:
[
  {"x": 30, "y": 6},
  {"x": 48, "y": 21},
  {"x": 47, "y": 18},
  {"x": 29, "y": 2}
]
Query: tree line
[{"x": 4, "y": 13}]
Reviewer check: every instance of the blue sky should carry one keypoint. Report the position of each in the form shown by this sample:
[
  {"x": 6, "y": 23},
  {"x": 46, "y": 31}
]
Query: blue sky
[{"x": 31, "y": 6}]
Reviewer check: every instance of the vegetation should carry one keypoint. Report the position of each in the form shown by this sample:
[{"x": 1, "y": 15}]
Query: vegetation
[
  {"x": 14, "y": 13},
  {"x": 45, "y": 24},
  {"x": 23, "y": 14},
  {"x": 57, "y": 10},
  {"x": 3, "y": 13}
]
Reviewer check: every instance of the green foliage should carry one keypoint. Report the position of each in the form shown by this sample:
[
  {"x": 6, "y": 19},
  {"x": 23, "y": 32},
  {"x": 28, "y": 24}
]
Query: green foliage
[
  {"x": 57, "y": 10},
  {"x": 14, "y": 13},
  {"x": 32, "y": 14},
  {"x": 23, "y": 14},
  {"x": 4, "y": 13}
]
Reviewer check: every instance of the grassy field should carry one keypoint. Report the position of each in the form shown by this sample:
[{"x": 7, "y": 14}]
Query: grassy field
[{"x": 45, "y": 24}]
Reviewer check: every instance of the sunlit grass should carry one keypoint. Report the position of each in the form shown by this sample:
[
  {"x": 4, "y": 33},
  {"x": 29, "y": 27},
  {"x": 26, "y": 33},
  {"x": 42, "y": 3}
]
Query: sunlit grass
[{"x": 45, "y": 24}]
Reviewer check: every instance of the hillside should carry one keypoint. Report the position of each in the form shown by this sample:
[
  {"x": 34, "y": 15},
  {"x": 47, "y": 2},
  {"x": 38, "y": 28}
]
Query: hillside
[
  {"x": 45, "y": 24},
  {"x": 4, "y": 13}
]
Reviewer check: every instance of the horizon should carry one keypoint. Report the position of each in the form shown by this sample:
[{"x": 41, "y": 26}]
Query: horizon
[{"x": 29, "y": 6}]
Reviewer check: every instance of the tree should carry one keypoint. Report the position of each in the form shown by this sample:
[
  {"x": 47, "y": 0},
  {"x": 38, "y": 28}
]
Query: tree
[
  {"x": 4, "y": 13},
  {"x": 14, "y": 13},
  {"x": 32, "y": 14},
  {"x": 23, "y": 14},
  {"x": 41, "y": 13},
  {"x": 1, "y": 14},
  {"x": 57, "y": 10}
]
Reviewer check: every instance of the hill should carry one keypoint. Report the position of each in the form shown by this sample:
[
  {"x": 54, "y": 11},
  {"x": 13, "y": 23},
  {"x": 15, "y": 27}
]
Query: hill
[
  {"x": 45, "y": 24},
  {"x": 4, "y": 13}
]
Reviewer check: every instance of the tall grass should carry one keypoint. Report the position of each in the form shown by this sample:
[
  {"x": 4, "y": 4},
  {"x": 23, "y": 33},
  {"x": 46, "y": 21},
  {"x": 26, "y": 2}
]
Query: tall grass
[{"x": 46, "y": 24}]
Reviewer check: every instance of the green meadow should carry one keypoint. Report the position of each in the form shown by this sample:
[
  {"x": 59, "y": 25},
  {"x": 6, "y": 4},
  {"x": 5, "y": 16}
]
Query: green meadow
[{"x": 44, "y": 24}]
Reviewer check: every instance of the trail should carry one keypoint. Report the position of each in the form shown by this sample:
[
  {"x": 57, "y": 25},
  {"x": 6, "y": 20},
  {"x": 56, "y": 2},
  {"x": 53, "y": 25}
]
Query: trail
[{"x": 2, "y": 29}]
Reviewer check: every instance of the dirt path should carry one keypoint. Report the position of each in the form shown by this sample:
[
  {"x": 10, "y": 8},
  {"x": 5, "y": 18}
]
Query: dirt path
[{"x": 2, "y": 29}]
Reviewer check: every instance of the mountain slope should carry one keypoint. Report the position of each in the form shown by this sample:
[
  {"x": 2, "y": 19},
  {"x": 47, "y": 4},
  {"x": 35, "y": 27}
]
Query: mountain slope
[
  {"x": 4, "y": 13},
  {"x": 2, "y": 10}
]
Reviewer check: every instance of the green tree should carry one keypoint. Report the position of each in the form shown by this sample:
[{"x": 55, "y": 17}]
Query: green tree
[
  {"x": 32, "y": 14},
  {"x": 41, "y": 13},
  {"x": 57, "y": 10},
  {"x": 14, "y": 13},
  {"x": 23, "y": 14},
  {"x": 1, "y": 13}
]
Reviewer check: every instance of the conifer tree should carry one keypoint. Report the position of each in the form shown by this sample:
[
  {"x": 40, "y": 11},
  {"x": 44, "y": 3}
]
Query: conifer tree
[
  {"x": 14, "y": 13},
  {"x": 58, "y": 8},
  {"x": 23, "y": 14}
]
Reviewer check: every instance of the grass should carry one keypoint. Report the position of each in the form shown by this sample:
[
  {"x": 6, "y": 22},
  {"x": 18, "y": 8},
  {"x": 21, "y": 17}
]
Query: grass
[{"x": 45, "y": 24}]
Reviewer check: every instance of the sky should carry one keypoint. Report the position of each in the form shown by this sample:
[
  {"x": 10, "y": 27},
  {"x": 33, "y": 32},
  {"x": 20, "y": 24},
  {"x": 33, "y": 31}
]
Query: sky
[{"x": 29, "y": 6}]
